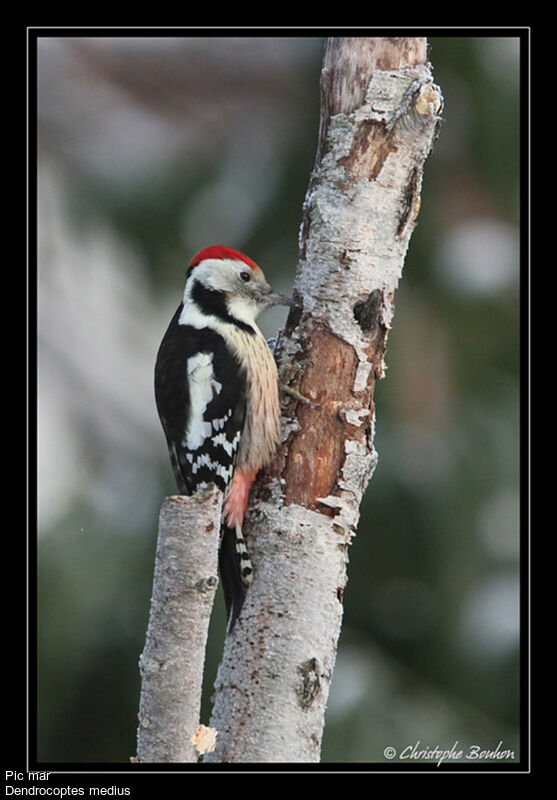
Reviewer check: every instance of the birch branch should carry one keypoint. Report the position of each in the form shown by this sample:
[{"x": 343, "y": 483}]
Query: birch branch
[
  {"x": 379, "y": 117},
  {"x": 171, "y": 665}
]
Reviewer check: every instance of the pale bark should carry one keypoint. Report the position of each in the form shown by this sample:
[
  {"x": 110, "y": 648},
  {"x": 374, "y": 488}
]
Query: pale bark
[
  {"x": 380, "y": 112},
  {"x": 171, "y": 665}
]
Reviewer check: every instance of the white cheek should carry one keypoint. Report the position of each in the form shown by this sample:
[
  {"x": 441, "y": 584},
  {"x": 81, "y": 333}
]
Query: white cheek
[{"x": 243, "y": 309}]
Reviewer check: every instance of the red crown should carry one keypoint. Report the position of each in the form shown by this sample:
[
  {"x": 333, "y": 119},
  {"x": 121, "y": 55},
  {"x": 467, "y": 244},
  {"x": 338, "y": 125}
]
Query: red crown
[{"x": 220, "y": 251}]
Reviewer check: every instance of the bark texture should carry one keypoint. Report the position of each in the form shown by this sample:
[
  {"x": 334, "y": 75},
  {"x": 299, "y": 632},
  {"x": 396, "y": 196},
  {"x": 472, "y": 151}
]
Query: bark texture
[
  {"x": 171, "y": 665},
  {"x": 380, "y": 113}
]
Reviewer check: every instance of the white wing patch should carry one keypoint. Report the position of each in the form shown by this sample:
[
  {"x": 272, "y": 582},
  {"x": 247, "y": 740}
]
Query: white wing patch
[
  {"x": 209, "y": 449},
  {"x": 203, "y": 386},
  {"x": 205, "y": 460},
  {"x": 229, "y": 447}
]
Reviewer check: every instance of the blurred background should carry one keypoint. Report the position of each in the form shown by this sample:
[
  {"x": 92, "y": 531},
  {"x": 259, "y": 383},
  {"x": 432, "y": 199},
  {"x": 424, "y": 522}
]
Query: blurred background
[{"x": 149, "y": 149}]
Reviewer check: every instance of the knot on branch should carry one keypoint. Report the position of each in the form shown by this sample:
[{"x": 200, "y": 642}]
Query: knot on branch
[
  {"x": 310, "y": 686},
  {"x": 429, "y": 101},
  {"x": 367, "y": 313},
  {"x": 207, "y": 584}
]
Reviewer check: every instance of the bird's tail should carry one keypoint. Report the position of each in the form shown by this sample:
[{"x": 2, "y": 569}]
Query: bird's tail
[
  {"x": 236, "y": 571},
  {"x": 234, "y": 562}
]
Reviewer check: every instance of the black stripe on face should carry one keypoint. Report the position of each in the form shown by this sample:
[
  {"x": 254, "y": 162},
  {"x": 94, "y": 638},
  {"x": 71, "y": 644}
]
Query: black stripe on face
[{"x": 214, "y": 303}]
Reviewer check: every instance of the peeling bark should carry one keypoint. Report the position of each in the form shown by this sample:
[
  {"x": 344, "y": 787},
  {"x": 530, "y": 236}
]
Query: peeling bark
[{"x": 380, "y": 113}]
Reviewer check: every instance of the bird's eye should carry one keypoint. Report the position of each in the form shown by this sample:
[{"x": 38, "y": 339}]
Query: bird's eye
[{"x": 245, "y": 276}]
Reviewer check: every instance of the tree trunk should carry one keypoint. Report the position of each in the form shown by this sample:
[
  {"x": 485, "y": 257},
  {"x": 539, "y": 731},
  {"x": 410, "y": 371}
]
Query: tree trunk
[
  {"x": 172, "y": 661},
  {"x": 379, "y": 118}
]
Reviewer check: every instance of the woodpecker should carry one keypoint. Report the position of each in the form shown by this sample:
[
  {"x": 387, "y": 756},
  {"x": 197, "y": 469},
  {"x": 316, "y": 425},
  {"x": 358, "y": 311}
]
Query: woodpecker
[{"x": 217, "y": 395}]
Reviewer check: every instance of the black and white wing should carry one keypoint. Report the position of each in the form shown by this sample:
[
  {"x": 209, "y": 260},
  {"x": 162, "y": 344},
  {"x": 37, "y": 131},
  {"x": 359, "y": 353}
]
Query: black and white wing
[
  {"x": 200, "y": 396},
  {"x": 200, "y": 391}
]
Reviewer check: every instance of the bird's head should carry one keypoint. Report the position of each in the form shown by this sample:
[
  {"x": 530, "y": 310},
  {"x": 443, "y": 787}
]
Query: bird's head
[{"x": 219, "y": 275}]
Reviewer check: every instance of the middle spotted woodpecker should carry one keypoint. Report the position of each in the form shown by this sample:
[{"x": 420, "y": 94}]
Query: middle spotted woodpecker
[{"x": 216, "y": 389}]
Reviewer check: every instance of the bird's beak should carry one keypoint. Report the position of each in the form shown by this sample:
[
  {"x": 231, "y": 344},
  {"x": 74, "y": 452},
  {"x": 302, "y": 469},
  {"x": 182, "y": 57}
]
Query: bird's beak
[{"x": 277, "y": 299}]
